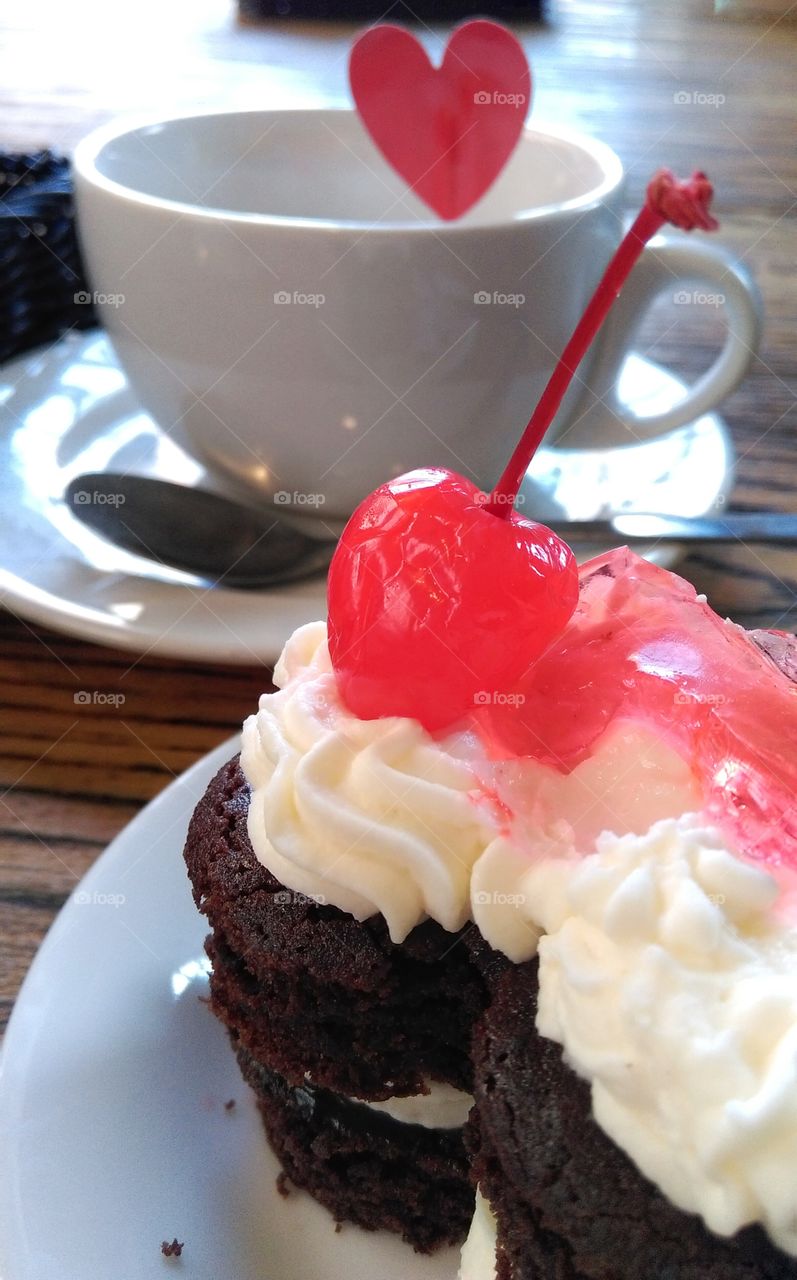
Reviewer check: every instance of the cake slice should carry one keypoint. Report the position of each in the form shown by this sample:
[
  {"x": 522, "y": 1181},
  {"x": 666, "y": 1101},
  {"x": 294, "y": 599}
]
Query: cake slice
[
  {"x": 399, "y": 921},
  {"x": 557, "y": 1196},
  {"x": 358, "y": 1050}
]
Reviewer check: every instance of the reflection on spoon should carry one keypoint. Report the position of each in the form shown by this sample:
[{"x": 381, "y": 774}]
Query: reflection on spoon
[{"x": 195, "y": 530}]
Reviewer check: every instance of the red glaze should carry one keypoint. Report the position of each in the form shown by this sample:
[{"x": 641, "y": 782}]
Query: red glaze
[
  {"x": 642, "y": 646},
  {"x": 436, "y": 605}
]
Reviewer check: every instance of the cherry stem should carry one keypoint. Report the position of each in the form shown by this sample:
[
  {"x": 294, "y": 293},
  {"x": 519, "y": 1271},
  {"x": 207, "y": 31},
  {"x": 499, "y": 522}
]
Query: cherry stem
[{"x": 686, "y": 205}]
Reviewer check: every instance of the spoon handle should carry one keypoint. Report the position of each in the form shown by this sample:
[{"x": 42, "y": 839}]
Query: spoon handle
[{"x": 775, "y": 527}]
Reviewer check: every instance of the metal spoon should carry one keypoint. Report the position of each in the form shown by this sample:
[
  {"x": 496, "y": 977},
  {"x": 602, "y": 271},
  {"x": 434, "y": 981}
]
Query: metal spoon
[
  {"x": 200, "y": 532},
  {"x": 225, "y": 541}
]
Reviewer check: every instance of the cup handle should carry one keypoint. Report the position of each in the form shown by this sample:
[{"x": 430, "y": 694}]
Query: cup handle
[{"x": 668, "y": 264}]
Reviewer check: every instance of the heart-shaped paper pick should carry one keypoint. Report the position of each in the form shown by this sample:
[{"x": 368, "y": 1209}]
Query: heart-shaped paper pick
[{"x": 447, "y": 130}]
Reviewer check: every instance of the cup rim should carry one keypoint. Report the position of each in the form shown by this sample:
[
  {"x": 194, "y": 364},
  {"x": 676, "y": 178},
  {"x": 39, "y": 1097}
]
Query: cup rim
[{"x": 89, "y": 149}]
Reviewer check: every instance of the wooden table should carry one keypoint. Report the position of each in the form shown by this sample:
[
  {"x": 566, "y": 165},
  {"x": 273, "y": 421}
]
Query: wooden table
[{"x": 76, "y": 775}]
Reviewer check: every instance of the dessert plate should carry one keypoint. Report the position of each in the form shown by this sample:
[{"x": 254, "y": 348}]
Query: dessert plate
[
  {"x": 67, "y": 409},
  {"x": 114, "y": 1135}
]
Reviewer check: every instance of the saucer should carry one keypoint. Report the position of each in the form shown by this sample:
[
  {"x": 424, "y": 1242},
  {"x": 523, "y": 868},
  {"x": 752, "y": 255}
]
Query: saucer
[
  {"x": 67, "y": 409},
  {"x": 114, "y": 1075}
]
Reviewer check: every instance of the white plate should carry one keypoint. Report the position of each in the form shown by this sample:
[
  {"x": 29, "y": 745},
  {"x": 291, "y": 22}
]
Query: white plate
[
  {"x": 67, "y": 409},
  {"x": 113, "y": 1132}
]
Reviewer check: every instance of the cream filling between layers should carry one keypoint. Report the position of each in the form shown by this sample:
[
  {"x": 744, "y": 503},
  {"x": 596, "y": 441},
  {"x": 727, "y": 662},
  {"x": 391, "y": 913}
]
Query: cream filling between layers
[
  {"x": 477, "y": 1260},
  {"x": 443, "y": 1107}
]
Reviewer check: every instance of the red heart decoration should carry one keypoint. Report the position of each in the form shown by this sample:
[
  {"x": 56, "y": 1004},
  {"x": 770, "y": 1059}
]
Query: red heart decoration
[{"x": 447, "y": 130}]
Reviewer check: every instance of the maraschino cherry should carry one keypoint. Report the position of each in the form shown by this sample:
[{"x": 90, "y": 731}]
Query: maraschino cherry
[
  {"x": 432, "y": 600},
  {"x": 441, "y": 597}
]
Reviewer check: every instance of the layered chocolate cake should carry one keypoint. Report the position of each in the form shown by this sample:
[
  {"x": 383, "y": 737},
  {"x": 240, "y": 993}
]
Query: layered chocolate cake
[
  {"x": 358, "y": 1049},
  {"x": 378, "y": 899}
]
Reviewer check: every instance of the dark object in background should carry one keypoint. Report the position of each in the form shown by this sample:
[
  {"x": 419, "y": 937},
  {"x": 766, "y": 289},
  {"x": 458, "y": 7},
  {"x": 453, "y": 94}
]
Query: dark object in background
[
  {"x": 372, "y": 10},
  {"x": 41, "y": 273}
]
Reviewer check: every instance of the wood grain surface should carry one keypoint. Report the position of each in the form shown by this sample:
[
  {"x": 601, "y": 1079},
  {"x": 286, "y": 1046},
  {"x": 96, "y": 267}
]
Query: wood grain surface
[{"x": 73, "y": 775}]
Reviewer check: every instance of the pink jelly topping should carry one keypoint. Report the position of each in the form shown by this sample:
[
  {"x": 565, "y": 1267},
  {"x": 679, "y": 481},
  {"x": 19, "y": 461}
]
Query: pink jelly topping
[{"x": 642, "y": 646}]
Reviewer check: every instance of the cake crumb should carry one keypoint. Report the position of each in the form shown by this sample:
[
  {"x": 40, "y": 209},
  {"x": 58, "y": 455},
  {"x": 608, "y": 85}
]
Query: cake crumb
[
  {"x": 173, "y": 1250},
  {"x": 229, "y": 1104},
  {"x": 283, "y": 1185}
]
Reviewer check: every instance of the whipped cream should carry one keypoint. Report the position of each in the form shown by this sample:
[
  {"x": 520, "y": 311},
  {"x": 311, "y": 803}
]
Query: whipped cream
[
  {"x": 443, "y": 1107},
  {"x": 477, "y": 1261},
  {"x": 377, "y": 816},
  {"x": 672, "y": 985},
  {"x": 668, "y": 965},
  {"x": 631, "y": 780},
  {"x": 370, "y": 815}
]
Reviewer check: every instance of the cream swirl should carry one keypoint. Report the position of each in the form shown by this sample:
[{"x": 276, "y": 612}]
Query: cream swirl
[
  {"x": 377, "y": 816},
  {"x": 672, "y": 985},
  {"x": 372, "y": 816}
]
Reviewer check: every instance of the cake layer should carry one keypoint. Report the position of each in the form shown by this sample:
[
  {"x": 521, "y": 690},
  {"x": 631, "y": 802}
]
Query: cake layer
[
  {"x": 568, "y": 1202},
  {"x": 363, "y": 1165},
  {"x": 308, "y": 990}
]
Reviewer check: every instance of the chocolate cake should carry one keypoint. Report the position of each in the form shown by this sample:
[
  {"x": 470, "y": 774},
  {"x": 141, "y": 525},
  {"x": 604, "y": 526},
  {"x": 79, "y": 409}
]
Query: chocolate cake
[
  {"x": 325, "y": 1014},
  {"x": 568, "y": 1202},
  {"x": 338, "y": 1026},
  {"x": 365, "y": 1166}
]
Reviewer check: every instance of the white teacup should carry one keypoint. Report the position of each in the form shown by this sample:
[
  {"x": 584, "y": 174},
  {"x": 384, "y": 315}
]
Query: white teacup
[{"x": 298, "y": 320}]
